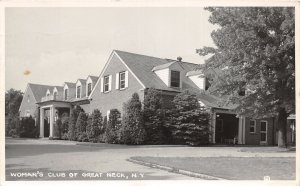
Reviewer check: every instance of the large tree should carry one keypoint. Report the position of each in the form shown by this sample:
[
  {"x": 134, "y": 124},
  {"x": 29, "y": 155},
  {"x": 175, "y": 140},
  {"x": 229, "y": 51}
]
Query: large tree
[
  {"x": 255, "y": 60},
  {"x": 13, "y": 99}
]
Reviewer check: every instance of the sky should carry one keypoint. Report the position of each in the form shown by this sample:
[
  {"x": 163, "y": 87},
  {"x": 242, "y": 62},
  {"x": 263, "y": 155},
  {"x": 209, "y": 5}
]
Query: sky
[{"x": 56, "y": 45}]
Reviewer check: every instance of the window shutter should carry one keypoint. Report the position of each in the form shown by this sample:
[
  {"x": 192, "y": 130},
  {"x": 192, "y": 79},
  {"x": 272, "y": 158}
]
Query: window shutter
[
  {"x": 101, "y": 85},
  {"x": 126, "y": 79},
  {"x": 117, "y": 80},
  {"x": 109, "y": 82}
]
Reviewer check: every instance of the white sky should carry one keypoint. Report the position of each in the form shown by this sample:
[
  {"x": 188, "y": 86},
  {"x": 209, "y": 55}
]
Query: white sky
[{"x": 64, "y": 44}]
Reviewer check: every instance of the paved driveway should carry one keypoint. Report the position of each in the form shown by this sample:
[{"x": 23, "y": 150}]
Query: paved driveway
[{"x": 59, "y": 159}]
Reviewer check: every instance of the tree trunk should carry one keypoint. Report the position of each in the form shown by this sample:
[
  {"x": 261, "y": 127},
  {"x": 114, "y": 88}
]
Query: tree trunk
[{"x": 282, "y": 123}]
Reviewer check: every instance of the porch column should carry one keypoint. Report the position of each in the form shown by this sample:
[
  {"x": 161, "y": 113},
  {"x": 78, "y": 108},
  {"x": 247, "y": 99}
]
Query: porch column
[
  {"x": 41, "y": 122},
  {"x": 241, "y": 133},
  {"x": 51, "y": 120},
  {"x": 213, "y": 128}
]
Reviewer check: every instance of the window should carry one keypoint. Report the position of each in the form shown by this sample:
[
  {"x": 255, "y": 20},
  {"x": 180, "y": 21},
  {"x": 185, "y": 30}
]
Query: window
[
  {"x": 122, "y": 80},
  {"x": 28, "y": 98},
  {"x": 78, "y": 91},
  {"x": 263, "y": 131},
  {"x": 252, "y": 126},
  {"x": 89, "y": 89},
  {"x": 66, "y": 94},
  {"x": 106, "y": 84},
  {"x": 175, "y": 78},
  {"x": 54, "y": 95}
]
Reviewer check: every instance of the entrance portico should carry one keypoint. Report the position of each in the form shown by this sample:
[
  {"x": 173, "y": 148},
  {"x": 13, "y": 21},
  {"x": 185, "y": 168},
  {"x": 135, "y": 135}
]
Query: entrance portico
[{"x": 54, "y": 107}]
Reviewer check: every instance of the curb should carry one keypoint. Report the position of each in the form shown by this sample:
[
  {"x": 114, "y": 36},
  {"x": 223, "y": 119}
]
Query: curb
[{"x": 175, "y": 170}]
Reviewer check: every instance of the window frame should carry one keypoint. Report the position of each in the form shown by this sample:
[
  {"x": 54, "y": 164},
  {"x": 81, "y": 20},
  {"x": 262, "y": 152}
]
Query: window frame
[
  {"x": 254, "y": 127},
  {"x": 122, "y": 80},
  {"x": 66, "y": 92},
  {"x": 174, "y": 71},
  {"x": 89, "y": 85},
  {"x": 79, "y": 92},
  {"x": 106, "y": 84}
]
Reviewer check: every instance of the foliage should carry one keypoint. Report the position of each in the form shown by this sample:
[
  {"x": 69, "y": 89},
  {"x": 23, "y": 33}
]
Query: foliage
[
  {"x": 58, "y": 129},
  {"x": 133, "y": 131},
  {"x": 28, "y": 128},
  {"x": 255, "y": 53},
  {"x": 188, "y": 123},
  {"x": 72, "y": 122},
  {"x": 83, "y": 137},
  {"x": 13, "y": 99},
  {"x": 95, "y": 126},
  {"x": 81, "y": 126},
  {"x": 13, "y": 133},
  {"x": 64, "y": 125},
  {"x": 153, "y": 117},
  {"x": 113, "y": 127}
]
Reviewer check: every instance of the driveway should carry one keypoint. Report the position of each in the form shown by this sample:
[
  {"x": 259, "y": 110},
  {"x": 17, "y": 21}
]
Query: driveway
[{"x": 58, "y": 160}]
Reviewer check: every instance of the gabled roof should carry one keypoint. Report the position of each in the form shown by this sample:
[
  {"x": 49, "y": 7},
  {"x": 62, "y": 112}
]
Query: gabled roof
[
  {"x": 93, "y": 78},
  {"x": 70, "y": 85},
  {"x": 142, "y": 65},
  {"x": 81, "y": 80},
  {"x": 39, "y": 91},
  {"x": 59, "y": 88},
  {"x": 194, "y": 72},
  {"x": 159, "y": 67}
]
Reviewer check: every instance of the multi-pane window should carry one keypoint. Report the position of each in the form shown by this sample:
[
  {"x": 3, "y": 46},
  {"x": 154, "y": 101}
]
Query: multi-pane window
[
  {"x": 54, "y": 95},
  {"x": 106, "y": 84},
  {"x": 175, "y": 78},
  {"x": 89, "y": 89},
  {"x": 252, "y": 126},
  {"x": 263, "y": 131},
  {"x": 66, "y": 94},
  {"x": 122, "y": 80},
  {"x": 78, "y": 91}
]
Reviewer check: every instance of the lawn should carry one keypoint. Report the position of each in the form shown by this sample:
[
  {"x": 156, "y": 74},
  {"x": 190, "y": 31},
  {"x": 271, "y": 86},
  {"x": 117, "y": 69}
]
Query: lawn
[{"x": 231, "y": 168}]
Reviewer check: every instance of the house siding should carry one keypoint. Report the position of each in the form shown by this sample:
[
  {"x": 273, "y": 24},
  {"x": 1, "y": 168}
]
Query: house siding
[
  {"x": 28, "y": 106},
  {"x": 115, "y": 98},
  {"x": 164, "y": 75},
  {"x": 254, "y": 138},
  {"x": 200, "y": 82}
]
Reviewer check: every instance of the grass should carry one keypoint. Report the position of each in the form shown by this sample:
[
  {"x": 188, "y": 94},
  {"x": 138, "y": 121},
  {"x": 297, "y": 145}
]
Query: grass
[{"x": 232, "y": 168}]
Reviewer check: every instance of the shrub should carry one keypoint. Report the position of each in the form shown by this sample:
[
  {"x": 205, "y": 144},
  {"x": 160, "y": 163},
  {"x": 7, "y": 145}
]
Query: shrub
[
  {"x": 153, "y": 117},
  {"x": 95, "y": 126},
  {"x": 81, "y": 124},
  {"x": 83, "y": 137},
  {"x": 72, "y": 122},
  {"x": 65, "y": 136},
  {"x": 27, "y": 128},
  {"x": 133, "y": 131},
  {"x": 188, "y": 123},
  {"x": 57, "y": 129},
  {"x": 13, "y": 133},
  {"x": 113, "y": 127}
]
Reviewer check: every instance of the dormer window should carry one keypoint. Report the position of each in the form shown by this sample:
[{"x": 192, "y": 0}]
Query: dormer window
[
  {"x": 175, "y": 78},
  {"x": 54, "y": 95},
  {"x": 66, "y": 94},
  {"x": 89, "y": 89},
  {"x": 78, "y": 91}
]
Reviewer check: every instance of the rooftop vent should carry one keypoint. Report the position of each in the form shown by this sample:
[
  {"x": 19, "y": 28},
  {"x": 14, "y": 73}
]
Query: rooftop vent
[{"x": 179, "y": 59}]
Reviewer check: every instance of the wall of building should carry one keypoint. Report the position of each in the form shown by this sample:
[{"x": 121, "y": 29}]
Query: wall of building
[
  {"x": 254, "y": 138},
  {"x": 115, "y": 98},
  {"x": 28, "y": 104}
]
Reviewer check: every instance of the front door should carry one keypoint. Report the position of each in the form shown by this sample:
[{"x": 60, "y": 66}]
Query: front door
[
  {"x": 263, "y": 132},
  {"x": 46, "y": 128}
]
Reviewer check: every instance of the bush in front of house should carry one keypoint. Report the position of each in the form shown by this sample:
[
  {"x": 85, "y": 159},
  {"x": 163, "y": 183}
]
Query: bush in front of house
[
  {"x": 113, "y": 127},
  {"x": 28, "y": 128},
  {"x": 81, "y": 127},
  {"x": 64, "y": 126},
  {"x": 57, "y": 129},
  {"x": 188, "y": 122},
  {"x": 153, "y": 117},
  {"x": 132, "y": 130},
  {"x": 95, "y": 126},
  {"x": 72, "y": 122}
]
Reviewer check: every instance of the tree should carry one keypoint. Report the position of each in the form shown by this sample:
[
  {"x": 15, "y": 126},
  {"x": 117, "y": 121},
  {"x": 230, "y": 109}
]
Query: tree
[
  {"x": 13, "y": 99},
  {"x": 95, "y": 126},
  {"x": 113, "y": 126},
  {"x": 81, "y": 127},
  {"x": 153, "y": 117},
  {"x": 72, "y": 122},
  {"x": 255, "y": 54},
  {"x": 188, "y": 122},
  {"x": 133, "y": 131}
]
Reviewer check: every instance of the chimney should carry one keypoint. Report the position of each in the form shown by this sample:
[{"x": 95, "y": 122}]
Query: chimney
[{"x": 179, "y": 59}]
